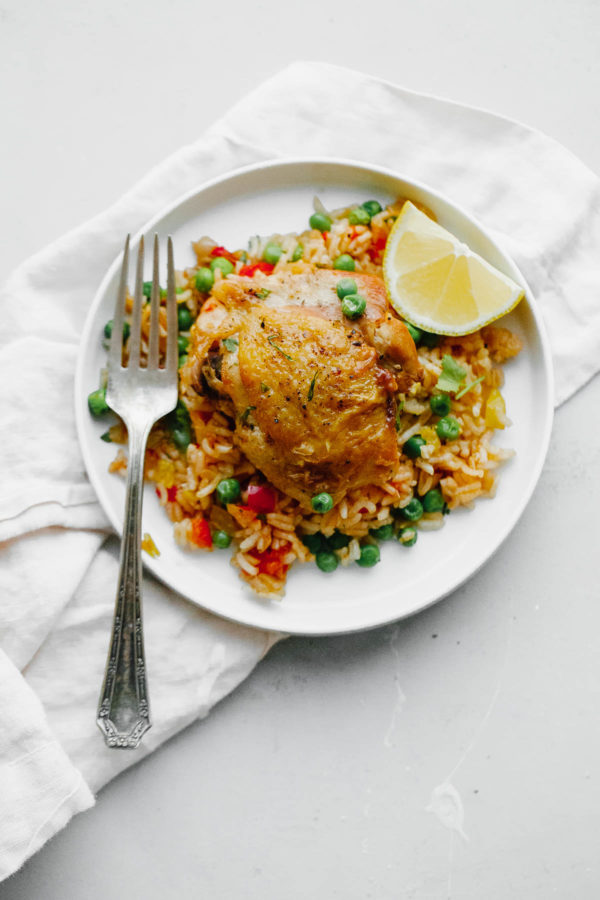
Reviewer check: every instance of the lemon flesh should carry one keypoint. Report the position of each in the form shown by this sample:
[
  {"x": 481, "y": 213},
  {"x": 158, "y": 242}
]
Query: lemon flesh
[{"x": 438, "y": 283}]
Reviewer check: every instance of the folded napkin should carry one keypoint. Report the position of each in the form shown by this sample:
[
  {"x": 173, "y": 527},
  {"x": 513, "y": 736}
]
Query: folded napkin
[{"x": 58, "y": 570}]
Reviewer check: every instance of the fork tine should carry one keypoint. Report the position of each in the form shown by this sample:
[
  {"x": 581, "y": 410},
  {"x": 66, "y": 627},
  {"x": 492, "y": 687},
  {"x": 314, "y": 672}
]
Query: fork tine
[
  {"x": 115, "y": 350},
  {"x": 171, "y": 363},
  {"x": 136, "y": 319},
  {"x": 154, "y": 311}
]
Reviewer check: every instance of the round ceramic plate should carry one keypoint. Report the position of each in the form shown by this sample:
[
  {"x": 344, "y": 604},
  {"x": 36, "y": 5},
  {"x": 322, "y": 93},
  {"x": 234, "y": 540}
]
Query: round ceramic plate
[{"x": 278, "y": 197}]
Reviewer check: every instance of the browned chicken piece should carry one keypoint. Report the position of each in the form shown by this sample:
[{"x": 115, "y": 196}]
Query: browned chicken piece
[
  {"x": 316, "y": 291},
  {"x": 312, "y": 393}
]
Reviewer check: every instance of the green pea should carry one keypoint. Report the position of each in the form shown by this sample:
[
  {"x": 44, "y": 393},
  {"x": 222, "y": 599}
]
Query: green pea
[
  {"x": 181, "y": 436},
  {"x": 413, "y": 510},
  {"x": 327, "y": 561},
  {"x": 182, "y": 343},
  {"x": 433, "y": 501},
  {"x": 147, "y": 289},
  {"x": 180, "y": 426},
  {"x": 345, "y": 286},
  {"x": 448, "y": 428},
  {"x": 221, "y": 539},
  {"x": 369, "y": 556},
  {"x": 180, "y": 413},
  {"x": 225, "y": 265},
  {"x": 338, "y": 540},
  {"x": 415, "y": 333},
  {"x": 322, "y": 503},
  {"x": 408, "y": 536},
  {"x": 383, "y": 533},
  {"x": 298, "y": 253},
  {"x": 320, "y": 222},
  {"x": 429, "y": 339},
  {"x": 354, "y": 305},
  {"x": 412, "y": 447},
  {"x": 440, "y": 404},
  {"x": 109, "y": 327},
  {"x": 359, "y": 216},
  {"x": 272, "y": 253},
  {"x": 372, "y": 207},
  {"x": 344, "y": 262},
  {"x": 228, "y": 490},
  {"x": 204, "y": 279},
  {"x": 185, "y": 319},
  {"x": 314, "y": 542},
  {"x": 97, "y": 403}
]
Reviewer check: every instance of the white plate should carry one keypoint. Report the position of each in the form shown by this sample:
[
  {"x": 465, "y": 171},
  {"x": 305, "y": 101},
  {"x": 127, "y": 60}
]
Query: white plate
[{"x": 277, "y": 197}]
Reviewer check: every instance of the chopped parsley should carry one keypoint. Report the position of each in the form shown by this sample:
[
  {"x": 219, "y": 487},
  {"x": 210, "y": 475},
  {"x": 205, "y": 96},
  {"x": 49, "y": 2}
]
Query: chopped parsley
[
  {"x": 264, "y": 387},
  {"x": 399, "y": 409},
  {"x": 263, "y": 293},
  {"x": 230, "y": 344},
  {"x": 245, "y": 414},
  {"x": 468, "y": 387},
  {"x": 270, "y": 339},
  {"x": 311, "y": 389},
  {"x": 452, "y": 375}
]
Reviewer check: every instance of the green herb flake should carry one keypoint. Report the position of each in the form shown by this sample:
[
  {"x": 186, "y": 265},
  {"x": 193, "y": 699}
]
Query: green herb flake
[
  {"x": 452, "y": 375},
  {"x": 245, "y": 414},
  {"x": 468, "y": 387},
  {"x": 230, "y": 344},
  {"x": 264, "y": 387},
  {"x": 273, "y": 337},
  {"x": 311, "y": 389},
  {"x": 106, "y": 437},
  {"x": 399, "y": 409},
  {"x": 263, "y": 293}
]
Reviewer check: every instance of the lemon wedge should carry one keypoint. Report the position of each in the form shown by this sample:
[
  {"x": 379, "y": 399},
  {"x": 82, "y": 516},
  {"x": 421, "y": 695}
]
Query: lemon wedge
[{"x": 438, "y": 283}]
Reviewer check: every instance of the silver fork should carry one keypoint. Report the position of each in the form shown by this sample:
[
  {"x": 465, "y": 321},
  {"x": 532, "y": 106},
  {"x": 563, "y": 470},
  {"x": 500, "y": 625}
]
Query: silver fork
[{"x": 140, "y": 396}]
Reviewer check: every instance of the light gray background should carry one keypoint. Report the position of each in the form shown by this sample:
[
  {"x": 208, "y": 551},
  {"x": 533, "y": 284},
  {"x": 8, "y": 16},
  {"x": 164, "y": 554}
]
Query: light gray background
[{"x": 313, "y": 779}]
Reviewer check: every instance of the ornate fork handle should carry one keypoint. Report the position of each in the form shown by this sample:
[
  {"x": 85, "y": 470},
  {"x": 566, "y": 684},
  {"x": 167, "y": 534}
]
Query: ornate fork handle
[{"x": 123, "y": 713}]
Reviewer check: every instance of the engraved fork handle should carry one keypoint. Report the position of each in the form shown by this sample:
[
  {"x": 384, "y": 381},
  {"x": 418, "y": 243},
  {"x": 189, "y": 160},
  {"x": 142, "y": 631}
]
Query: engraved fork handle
[{"x": 123, "y": 713}]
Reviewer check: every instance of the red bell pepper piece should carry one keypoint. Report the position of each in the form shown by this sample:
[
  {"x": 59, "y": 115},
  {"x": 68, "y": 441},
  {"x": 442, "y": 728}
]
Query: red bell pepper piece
[
  {"x": 200, "y": 533},
  {"x": 376, "y": 249},
  {"x": 223, "y": 251},
  {"x": 262, "y": 498},
  {"x": 261, "y": 266},
  {"x": 271, "y": 563}
]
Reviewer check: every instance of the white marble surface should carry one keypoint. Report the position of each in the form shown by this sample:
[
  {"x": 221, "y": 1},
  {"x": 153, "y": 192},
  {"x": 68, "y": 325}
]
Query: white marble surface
[{"x": 314, "y": 779}]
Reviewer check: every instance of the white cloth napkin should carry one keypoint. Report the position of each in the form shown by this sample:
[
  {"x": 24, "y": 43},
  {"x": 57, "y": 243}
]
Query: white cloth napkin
[{"x": 58, "y": 573}]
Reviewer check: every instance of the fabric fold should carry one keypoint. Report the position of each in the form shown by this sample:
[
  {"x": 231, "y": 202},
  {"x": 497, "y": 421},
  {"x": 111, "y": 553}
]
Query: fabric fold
[{"x": 40, "y": 787}]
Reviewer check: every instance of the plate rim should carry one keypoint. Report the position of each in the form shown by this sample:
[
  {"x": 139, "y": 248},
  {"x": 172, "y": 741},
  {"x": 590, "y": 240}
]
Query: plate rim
[{"x": 339, "y": 163}]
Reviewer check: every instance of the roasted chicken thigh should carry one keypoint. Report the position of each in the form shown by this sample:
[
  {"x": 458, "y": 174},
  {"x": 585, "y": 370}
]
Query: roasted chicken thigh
[{"x": 313, "y": 393}]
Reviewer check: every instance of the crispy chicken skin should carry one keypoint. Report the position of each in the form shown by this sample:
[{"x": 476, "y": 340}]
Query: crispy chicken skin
[{"x": 312, "y": 393}]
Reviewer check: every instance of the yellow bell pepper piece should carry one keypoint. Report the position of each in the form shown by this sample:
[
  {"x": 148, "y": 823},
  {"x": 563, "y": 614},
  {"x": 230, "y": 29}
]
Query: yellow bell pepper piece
[
  {"x": 495, "y": 410},
  {"x": 429, "y": 435}
]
